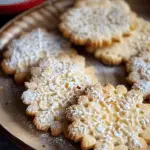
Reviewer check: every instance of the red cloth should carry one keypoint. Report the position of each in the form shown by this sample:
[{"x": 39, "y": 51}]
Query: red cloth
[{"x": 19, "y": 7}]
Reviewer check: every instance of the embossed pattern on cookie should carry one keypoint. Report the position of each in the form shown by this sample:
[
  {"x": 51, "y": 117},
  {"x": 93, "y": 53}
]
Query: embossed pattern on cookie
[
  {"x": 26, "y": 51},
  {"x": 55, "y": 85},
  {"x": 98, "y": 26},
  {"x": 121, "y": 52},
  {"x": 108, "y": 118},
  {"x": 139, "y": 72}
]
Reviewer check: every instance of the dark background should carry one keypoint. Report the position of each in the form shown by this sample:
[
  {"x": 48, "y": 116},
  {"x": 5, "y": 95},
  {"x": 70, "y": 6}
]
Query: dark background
[{"x": 5, "y": 143}]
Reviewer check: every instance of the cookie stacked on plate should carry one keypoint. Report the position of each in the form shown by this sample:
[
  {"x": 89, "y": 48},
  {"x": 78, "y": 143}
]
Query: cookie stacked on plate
[
  {"x": 56, "y": 84},
  {"x": 98, "y": 23},
  {"x": 108, "y": 117},
  {"x": 63, "y": 94},
  {"x": 28, "y": 49}
]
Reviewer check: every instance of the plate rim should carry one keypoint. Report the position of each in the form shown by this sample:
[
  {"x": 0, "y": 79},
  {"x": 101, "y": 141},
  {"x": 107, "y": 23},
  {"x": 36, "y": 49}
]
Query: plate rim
[{"x": 3, "y": 29}]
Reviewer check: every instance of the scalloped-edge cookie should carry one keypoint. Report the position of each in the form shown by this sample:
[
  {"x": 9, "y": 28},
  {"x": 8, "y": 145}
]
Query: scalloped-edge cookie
[
  {"x": 91, "y": 3},
  {"x": 56, "y": 84},
  {"x": 28, "y": 49},
  {"x": 128, "y": 47},
  {"x": 138, "y": 69},
  {"x": 108, "y": 118},
  {"x": 98, "y": 26}
]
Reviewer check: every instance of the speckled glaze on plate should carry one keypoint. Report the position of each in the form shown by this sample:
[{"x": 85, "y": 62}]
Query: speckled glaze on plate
[{"x": 12, "y": 112}]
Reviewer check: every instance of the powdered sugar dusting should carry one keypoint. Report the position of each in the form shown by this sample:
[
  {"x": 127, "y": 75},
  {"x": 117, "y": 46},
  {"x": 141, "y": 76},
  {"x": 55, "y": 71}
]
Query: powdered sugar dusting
[
  {"x": 55, "y": 86},
  {"x": 56, "y": 142},
  {"x": 105, "y": 120},
  {"x": 26, "y": 51},
  {"x": 139, "y": 41},
  {"x": 139, "y": 72},
  {"x": 98, "y": 23}
]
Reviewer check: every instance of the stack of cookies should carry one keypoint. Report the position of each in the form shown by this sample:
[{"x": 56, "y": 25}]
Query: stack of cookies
[{"x": 64, "y": 95}]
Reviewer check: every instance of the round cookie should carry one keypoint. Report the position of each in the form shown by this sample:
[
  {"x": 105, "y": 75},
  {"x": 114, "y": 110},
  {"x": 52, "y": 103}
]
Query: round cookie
[
  {"x": 56, "y": 84},
  {"x": 27, "y": 50},
  {"x": 108, "y": 118},
  {"x": 128, "y": 47},
  {"x": 98, "y": 26}
]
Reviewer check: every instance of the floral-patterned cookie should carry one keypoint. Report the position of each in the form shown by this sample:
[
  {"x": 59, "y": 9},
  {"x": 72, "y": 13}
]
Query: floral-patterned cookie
[
  {"x": 56, "y": 84},
  {"x": 108, "y": 118},
  {"x": 98, "y": 26},
  {"x": 27, "y": 50},
  {"x": 128, "y": 47}
]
